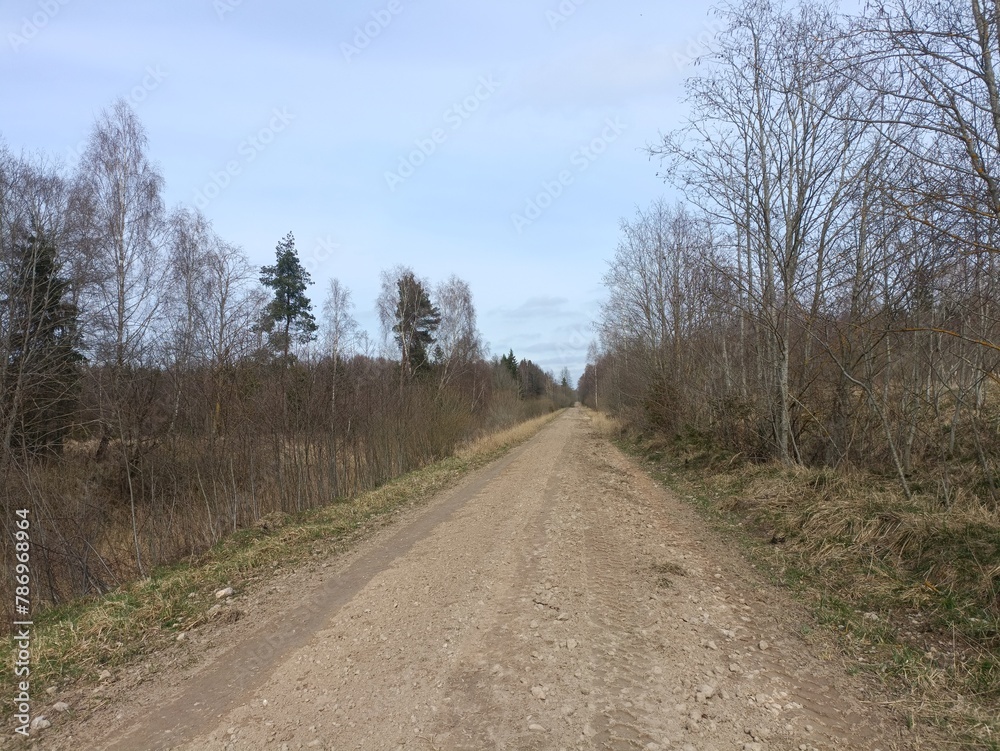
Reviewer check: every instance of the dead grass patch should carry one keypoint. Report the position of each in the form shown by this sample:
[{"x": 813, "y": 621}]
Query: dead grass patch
[
  {"x": 606, "y": 425},
  {"x": 665, "y": 570}
]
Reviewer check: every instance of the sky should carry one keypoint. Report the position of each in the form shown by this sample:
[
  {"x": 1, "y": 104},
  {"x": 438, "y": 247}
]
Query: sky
[{"x": 500, "y": 142}]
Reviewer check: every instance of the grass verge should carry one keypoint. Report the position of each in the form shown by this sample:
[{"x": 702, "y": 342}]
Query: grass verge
[
  {"x": 911, "y": 588},
  {"x": 75, "y": 642}
]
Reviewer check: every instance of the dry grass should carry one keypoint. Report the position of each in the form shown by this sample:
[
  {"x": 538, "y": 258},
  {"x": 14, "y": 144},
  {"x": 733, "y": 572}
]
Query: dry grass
[
  {"x": 606, "y": 425},
  {"x": 76, "y": 641},
  {"x": 912, "y": 587},
  {"x": 503, "y": 440}
]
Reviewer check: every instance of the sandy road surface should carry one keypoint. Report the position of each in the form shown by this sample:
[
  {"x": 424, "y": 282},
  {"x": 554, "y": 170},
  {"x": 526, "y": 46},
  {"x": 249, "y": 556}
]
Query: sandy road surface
[{"x": 556, "y": 600}]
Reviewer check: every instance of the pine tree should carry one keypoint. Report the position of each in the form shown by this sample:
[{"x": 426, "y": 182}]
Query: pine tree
[
  {"x": 40, "y": 388},
  {"x": 289, "y": 315},
  {"x": 416, "y": 321}
]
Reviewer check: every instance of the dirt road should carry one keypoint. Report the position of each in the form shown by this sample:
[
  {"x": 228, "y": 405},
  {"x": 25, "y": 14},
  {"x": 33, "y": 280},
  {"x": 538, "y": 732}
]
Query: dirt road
[{"x": 558, "y": 599}]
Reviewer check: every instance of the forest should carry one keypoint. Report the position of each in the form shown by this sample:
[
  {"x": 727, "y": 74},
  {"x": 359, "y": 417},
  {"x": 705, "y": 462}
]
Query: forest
[
  {"x": 827, "y": 291},
  {"x": 807, "y": 341},
  {"x": 158, "y": 391}
]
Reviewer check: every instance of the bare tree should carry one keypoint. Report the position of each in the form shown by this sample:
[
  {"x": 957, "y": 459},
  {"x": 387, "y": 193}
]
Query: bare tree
[
  {"x": 338, "y": 326},
  {"x": 768, "y": 153},
  {"x": 117, "y": 195},
  {"x": 458, "y": 343}
]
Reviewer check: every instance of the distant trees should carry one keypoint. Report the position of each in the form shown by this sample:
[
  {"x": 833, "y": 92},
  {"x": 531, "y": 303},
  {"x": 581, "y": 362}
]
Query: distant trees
[
  {"x": 288, "y": 317},
  {"x": 510, "y": 364},
  {"x": 156, "y": 392},
  {"x": 655, "y": 283}
]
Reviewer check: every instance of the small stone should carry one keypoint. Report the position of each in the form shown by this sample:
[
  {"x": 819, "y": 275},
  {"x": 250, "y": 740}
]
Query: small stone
[
  {"x": 182, "y": 636},
  {"x": 105, "y": 674},
  {"x": 762, "y": 645},
  {"x": 227, "y": 592},
  {"x": 538, "y": 692},
  {"x": 712, "y": 645},
  {"x": 40, "y": 723},
  {"x": 213, "y": 610},
  {"x": 50, "y": 690},
  {"x": 60, "y": 706},
  {"x": 571, "y": 644},
  {"x": 536, "y": 728}
]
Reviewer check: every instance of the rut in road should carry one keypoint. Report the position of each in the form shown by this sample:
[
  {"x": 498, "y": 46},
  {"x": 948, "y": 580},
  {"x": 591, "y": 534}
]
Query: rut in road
[{"x": 563, "y": 601}]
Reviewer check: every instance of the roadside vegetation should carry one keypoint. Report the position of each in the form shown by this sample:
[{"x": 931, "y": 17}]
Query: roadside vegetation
[
  {"x": 158, "y": 393},
  {"x": 808, "y": 342},
  {"x": 73, "y": 643},
  {"x": 907, "y": 585}
]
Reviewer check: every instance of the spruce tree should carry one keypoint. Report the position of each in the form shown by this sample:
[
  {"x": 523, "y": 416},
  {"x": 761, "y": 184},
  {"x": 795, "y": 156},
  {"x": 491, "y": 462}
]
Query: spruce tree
[
  {"x": 40, "y": 388},
  {"x": 416, "y": 321},
  {"x": 511, "y": 364}
]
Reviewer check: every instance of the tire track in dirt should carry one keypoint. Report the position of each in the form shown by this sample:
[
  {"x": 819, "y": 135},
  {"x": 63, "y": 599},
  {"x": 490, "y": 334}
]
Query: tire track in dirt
[{"x": 562, "y": 600}]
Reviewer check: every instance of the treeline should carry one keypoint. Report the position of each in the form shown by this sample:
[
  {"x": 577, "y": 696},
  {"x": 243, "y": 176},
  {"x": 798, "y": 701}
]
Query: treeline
[
  {"x": 157, "y": 391},
  {"x": 829, "y": 291}
]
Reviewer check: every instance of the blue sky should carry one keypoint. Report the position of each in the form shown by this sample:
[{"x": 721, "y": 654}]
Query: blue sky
[{"x": 501, "y": 142}]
